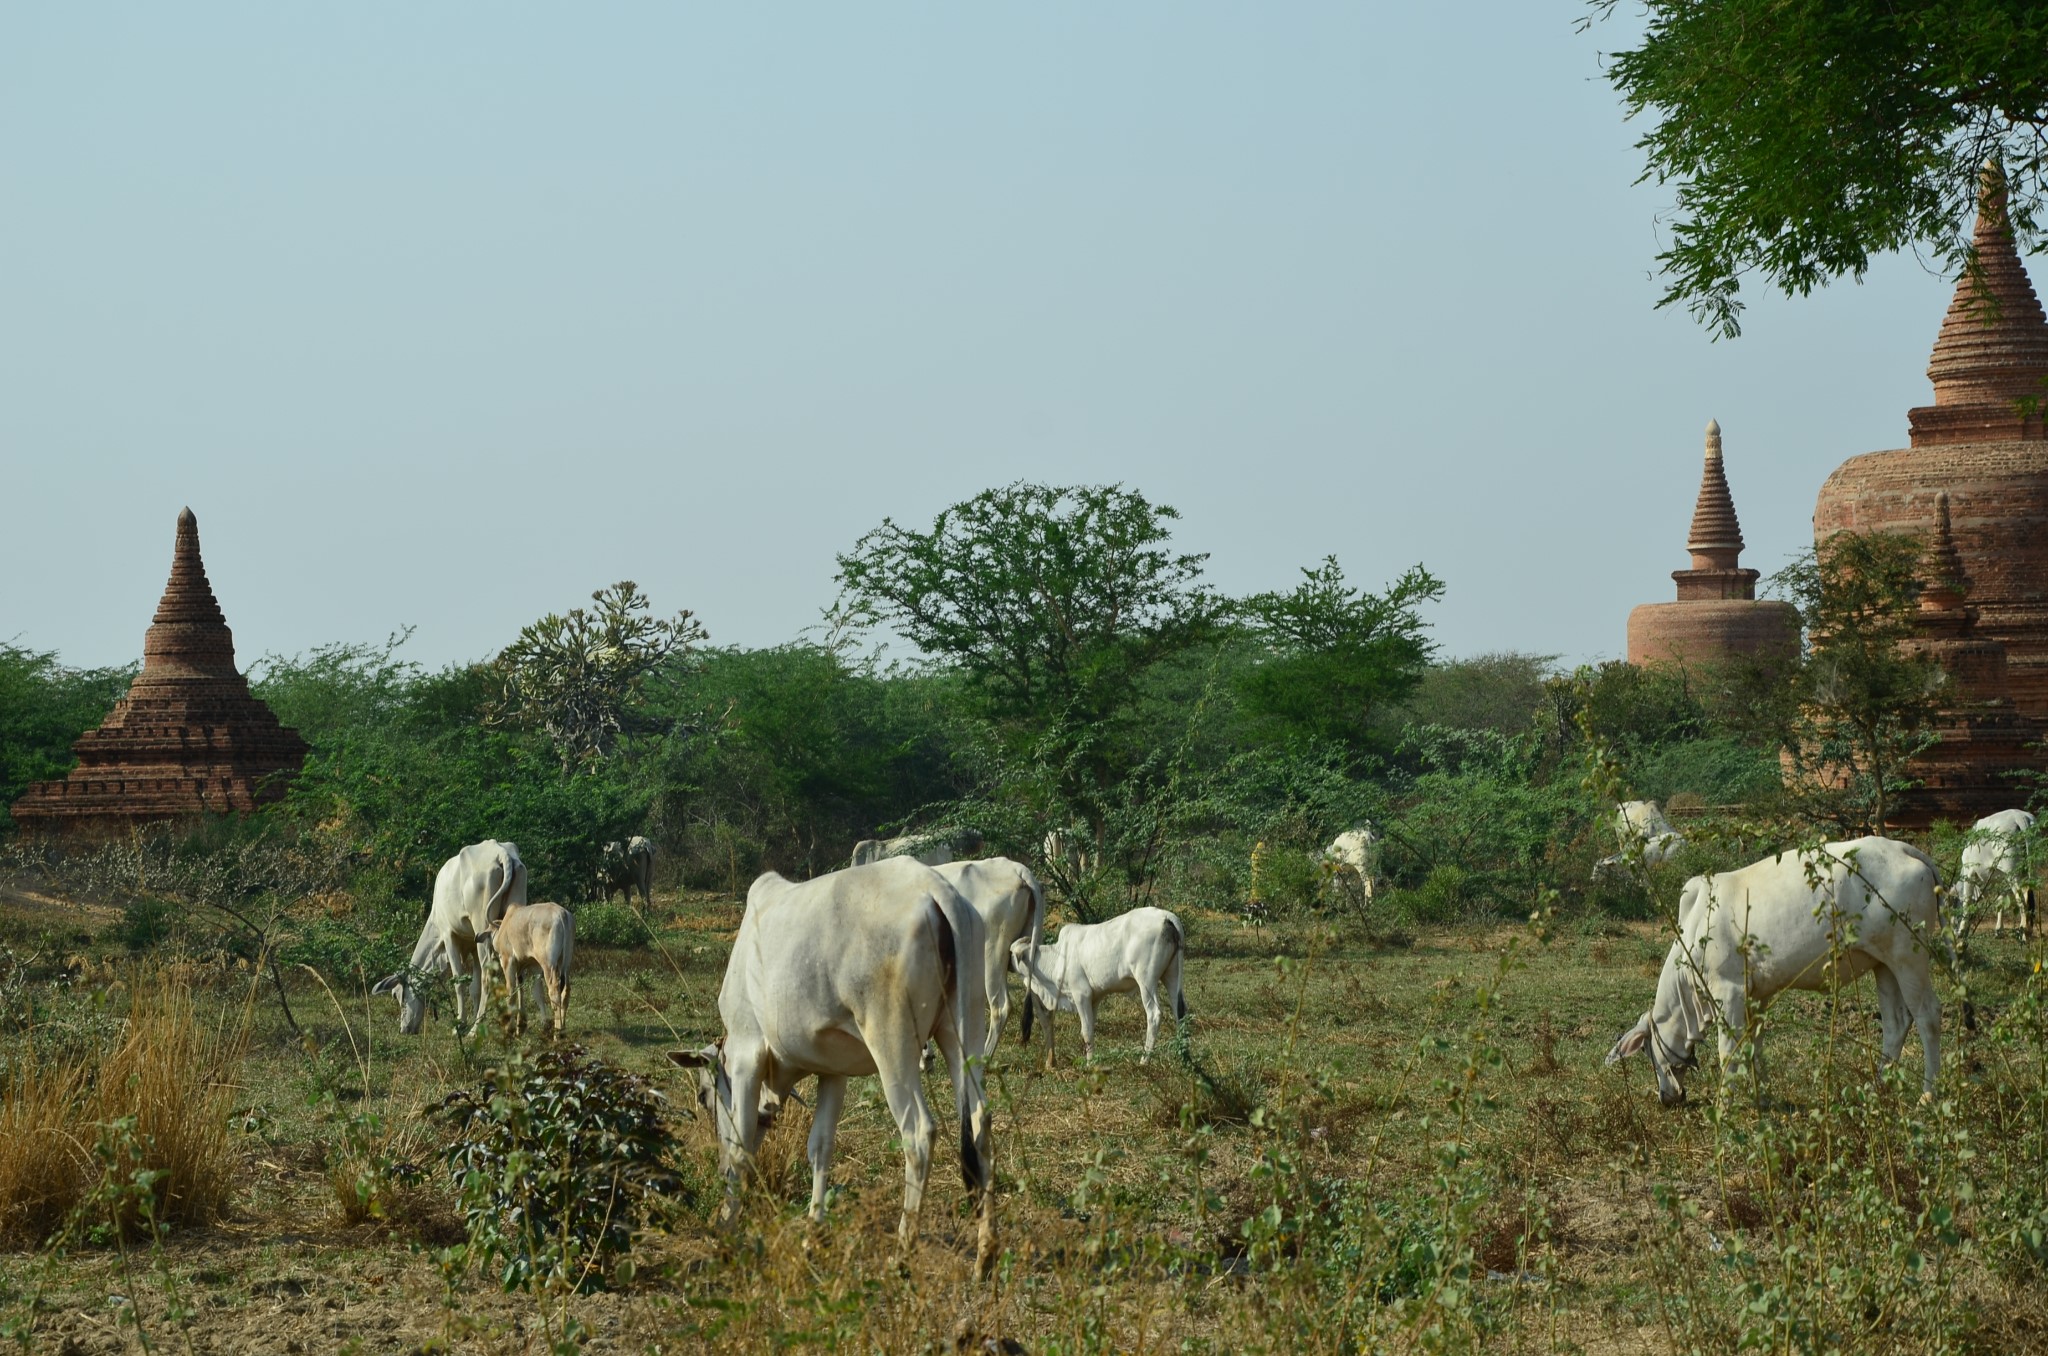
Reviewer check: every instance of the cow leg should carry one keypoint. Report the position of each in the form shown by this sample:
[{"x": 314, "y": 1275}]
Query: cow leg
[
  {"x": 1892, "y": 1017},
  {"x": 977, "y": 1166},
  {"x": 1734, "y": 1024},
  {"x": 903, "y": 1089},
  {"x": 510, "y": 969},
  {"x": 1148, "y": 995},
  {"x": 998, "y": 1008},
  {"x": 824, "y": 1127},
  {"x": 558, "y": 999},
  {"x": 1918, "y": 991},
  {"x": 1084, "y": 1008},
  {"x": 463, "y": 964}
]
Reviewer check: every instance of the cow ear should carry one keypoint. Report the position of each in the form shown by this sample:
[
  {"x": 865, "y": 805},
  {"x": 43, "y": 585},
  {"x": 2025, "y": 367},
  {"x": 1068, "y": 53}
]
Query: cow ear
[
  {"x": 1634, "y": 1041},
  {"x": 387, "y": 984},
  {"x": 692, "y": 1059}
]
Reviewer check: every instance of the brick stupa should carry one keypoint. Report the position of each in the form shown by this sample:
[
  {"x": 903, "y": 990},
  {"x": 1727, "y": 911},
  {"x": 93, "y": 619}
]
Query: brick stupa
[
  {"x": 187, "y": 740},
  {"x": 1982, "y": 738},
  {"x": 1982, "y": 443},
  {"x": 1717, "y": 615}
]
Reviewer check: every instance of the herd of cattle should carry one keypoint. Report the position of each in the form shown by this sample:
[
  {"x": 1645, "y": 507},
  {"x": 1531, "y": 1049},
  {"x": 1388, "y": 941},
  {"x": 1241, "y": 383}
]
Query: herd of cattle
[{"x": 856, "y": 971}]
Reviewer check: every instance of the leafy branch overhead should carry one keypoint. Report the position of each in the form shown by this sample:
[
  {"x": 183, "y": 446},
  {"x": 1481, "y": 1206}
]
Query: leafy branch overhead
[
  {"x": 1803, "y": 138},
  {"x": 578, "y": 677}
]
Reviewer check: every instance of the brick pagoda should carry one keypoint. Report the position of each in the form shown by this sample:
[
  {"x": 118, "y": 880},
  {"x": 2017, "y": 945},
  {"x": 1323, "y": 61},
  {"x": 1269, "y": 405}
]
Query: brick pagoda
[
  {"x": 1717, "y": 615},
  {"x": 1982, "y": 443},
  {"x": 187, "y": 740}
]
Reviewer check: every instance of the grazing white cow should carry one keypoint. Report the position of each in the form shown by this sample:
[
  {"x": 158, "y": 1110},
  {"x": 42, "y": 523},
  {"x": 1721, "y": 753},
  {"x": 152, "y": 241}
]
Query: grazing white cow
[
  {"x": 1354, "y": 855},
  {"x": 933, "y": 849},
  {"x": 473, "y": 887},
  {"x": 534, "y": 942},
  {"x": 1746, "y": 935},
  {"x": 1996, "y": 858},
  {"x": 625, "y": 867},
  {"x": 1646, "y": 838},
  {"x": 844, "y": 975},
  {"x": 1139, "y": 950},
  {"x": 1012, "y": 907}
]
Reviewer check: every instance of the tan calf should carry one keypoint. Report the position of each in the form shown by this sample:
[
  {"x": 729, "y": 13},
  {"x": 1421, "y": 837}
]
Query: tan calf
[{"x": 535, "y": 939}]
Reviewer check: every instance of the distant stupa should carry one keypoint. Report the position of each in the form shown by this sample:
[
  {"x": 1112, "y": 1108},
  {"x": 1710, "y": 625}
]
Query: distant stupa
[
  {"x": 1717, "y": 615},
  {"x": 187, "y": 740}
]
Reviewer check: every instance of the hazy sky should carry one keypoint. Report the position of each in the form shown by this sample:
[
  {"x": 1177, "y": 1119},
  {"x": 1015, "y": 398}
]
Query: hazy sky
[{"x": 446, "y": 315}]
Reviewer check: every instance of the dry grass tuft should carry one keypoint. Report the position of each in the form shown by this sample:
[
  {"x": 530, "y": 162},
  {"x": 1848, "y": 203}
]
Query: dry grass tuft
[{"x": 173, "y": 1077}]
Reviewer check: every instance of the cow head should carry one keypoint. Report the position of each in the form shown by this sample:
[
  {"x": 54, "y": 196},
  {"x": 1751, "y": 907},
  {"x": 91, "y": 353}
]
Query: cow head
[
  {"x": 714, "y": 1088},
  {"x": 1670, "y": 1052},
  {"x": 412, "y": 1004}
]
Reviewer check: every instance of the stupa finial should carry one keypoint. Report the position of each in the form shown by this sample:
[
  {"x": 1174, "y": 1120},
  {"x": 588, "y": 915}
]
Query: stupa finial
[
  {"x": 188, "y": 633},
  {"x": 1947, "y": 582},
  {"x": 1716, "y": 537}
]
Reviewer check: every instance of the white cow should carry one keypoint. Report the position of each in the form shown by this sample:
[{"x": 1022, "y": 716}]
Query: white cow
[
  {"x": 1996, "y": 858},
  {"x": 1746, "y": 935},
  {"x": 1012, "y": 906},
  {"x": 933, "y": 849},
  {"x": 1354, "y": 855},
  {"x": 1139, "y": 950},
  {"x": 626, "y": 867},
  {"x": 536, "y": 943},
  {"x": 1646, "y": 837},
  {"x": 845, "y": 975},
  {"x": 473, "y": 888}
]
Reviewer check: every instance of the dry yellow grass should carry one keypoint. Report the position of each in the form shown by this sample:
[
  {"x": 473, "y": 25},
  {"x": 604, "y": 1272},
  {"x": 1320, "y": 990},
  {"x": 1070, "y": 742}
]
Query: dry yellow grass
[{"x": 175, "y": 1077}]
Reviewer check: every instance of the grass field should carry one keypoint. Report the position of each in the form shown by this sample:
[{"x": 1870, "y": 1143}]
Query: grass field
[{"x": 1359, "y": 1147}]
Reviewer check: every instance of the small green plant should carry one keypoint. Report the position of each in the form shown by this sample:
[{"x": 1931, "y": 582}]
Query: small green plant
[
  {"x": 607, "y": 924},
  {"x": 558, "y": 1160}
]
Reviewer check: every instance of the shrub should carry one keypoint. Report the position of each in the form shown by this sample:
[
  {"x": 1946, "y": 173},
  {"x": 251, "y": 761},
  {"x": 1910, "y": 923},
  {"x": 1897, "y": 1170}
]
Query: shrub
[
  {"x": 608, "y": 924},
  {"x": 559, "y": 1159},
  {"x": 173, "y": 1077}
]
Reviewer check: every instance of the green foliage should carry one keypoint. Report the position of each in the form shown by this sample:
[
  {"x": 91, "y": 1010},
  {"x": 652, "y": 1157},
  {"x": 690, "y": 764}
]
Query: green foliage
[
  {"x": 608, "y": 924},
  {"x": 1336, "y": 655},
  {"x": 44, "y": 708},
  {"x": 1803, "y": 138},
  {"x": 1501, "y": 692},
  {"x": 580, "y": 677},
  {"x": 559, "y": 1160}
]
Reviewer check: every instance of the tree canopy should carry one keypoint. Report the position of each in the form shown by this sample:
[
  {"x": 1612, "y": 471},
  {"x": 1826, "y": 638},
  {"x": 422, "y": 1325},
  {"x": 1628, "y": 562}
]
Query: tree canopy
[{"x": 1806, "y": 136}]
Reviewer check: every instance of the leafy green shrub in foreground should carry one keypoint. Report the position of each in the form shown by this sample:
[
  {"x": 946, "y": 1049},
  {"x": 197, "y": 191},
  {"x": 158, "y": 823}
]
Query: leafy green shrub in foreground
[{"x": 558, "y": 1159}]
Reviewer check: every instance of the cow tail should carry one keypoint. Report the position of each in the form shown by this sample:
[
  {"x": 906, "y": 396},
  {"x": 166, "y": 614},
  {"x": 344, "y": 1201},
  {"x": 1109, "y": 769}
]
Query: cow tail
[
  {"x": 972, "y": 1171},
  {"x": 494, "y": 907},
  {"x": 1180, "y": 946},
  {"x": 1037, "y": 930}
]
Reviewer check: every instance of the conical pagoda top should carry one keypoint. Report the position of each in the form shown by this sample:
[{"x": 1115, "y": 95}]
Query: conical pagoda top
[
  {"x": 189, "y": 635},
  {"x": 1716, "y": 537},
  {"x": 1992, "y": 351}
]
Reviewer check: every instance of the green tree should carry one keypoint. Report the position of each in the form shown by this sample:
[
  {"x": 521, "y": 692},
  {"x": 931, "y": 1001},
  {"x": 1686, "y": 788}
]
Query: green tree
[
  {"x": 44, "y": 708},
  {"x": 1052, "y": 601},
  {"x": 1864, "y": 697},
  {"x": 1336, "y": 655},
  {"x": 1804, "y": 136},
  {"x": 578, "y": 677}
]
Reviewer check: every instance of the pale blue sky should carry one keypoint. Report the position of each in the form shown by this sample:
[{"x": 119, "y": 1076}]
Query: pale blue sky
[{"x": 448, "y": 314}]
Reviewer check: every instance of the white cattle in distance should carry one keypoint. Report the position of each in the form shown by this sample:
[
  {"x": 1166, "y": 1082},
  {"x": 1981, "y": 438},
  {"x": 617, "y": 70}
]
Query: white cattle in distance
[
  {"x": 1139, "y": 950},
  {"x": 846, "y": 975},
  {"x": 472, "y": 889},
  {"x": 534, "y": 943},
  {"x": 1066, "y": 850},
  {"x": 1354, "y": 856},
  {"x": 933, "y": 849},
  {"x": 1012, "y": 907},
  {"x": 1646, "y": 836},
  {"x": 1995, "y": 859},
  {"x": 1746, "y": 935},
  {"x": 625, "y": 867}
]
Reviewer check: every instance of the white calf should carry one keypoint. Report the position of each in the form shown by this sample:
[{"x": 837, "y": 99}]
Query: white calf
[
  {"x": 1354, "y": 855},
  {"x": 473, "y": 888},
  {"x": 534, "y": 942},
  {"x": 844, "y": 975},
  {"x": 1012, "y": 907},
  {"x": 1996, "y": 858},
  {"x": 1140, "y": 950},
  {"x": 1748, "y": 934}
]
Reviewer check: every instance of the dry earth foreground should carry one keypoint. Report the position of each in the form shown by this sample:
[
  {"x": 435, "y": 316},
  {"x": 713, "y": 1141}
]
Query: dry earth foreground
[{"x": 1404, "y": 1144}]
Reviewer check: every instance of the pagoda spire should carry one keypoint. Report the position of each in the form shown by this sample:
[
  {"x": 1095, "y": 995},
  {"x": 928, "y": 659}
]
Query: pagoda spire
[
  {"x": 1716, "y": 537},
  {"x": 1947, "y": 582},
  {"x": 1992, "y": 352},
  {"x": 189, "y": 635}
]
